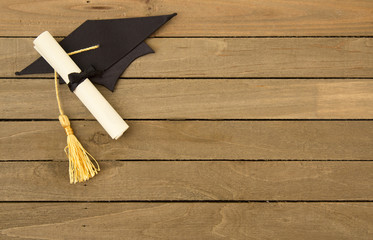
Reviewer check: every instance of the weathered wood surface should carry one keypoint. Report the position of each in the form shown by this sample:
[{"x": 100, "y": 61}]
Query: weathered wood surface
[
  {"x": 308, "y": 140},
  {"x": 196, "y": 18},
  {"x": 199, "y": 99},
  {"x": 190, "y": 180},
  {"x": 186, "y": 221},
  {"x": 235, "y": 81},
  {"x": 228, "y": 57}
]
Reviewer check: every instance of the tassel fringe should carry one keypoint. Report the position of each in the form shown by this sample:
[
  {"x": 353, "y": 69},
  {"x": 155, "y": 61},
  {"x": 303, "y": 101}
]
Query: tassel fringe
[{"x": 81, "y": 167}]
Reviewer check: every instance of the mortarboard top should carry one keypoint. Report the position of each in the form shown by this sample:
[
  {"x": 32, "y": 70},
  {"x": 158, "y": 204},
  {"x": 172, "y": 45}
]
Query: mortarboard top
[{"x": 121, "y": 42}]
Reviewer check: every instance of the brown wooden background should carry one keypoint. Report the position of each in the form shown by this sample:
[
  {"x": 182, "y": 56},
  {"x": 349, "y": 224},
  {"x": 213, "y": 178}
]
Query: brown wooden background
[{"x": 253, "y": 120}]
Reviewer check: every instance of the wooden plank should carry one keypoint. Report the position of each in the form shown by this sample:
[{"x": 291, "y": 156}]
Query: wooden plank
[
  {"x": 186, "y": 220},
  {"x": 342, "y": 140},
  {"x": 196, "y": 18},
  {"x": 199, "y": 99},
  {"x": 228, "y": 57},
  {"x": 190, "y": 180}
]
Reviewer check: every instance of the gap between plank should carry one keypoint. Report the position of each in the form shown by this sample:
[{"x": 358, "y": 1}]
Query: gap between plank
[
  {"x": 330, "y": 36},
  {"x": 200, "y": 201},
  {"x": 203, "y": 119},
  {"x": 196, "y": 160},
  {"x": 210, "y": 78}
]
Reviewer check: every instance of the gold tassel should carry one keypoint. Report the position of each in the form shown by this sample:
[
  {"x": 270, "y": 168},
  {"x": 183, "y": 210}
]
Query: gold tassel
[{"x": 81, "y": 167}]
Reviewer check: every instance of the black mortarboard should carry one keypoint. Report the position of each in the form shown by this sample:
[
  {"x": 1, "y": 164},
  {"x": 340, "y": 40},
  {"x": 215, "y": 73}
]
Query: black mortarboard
[{"x": 121, "y": 42}]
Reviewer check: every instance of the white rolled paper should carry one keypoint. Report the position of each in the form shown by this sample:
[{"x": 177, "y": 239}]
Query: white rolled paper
[{"x": 105, "y": 114}]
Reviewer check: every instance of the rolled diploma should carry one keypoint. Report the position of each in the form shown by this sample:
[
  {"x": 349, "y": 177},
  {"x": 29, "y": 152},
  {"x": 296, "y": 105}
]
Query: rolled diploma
[{"x": 105, "y": 114}]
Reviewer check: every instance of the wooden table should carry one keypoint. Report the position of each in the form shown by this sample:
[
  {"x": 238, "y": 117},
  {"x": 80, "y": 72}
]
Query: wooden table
[{"x": 253, "y": 120}]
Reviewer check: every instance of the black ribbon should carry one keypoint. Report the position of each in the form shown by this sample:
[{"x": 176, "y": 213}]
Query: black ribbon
[{"x": 77, "y": 78}]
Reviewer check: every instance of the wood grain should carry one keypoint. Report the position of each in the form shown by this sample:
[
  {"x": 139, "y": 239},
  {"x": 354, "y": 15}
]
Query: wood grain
[
  {"x": 190, "y": 180},
  {"x": 199, "y": 99},
  {"x": 228, "y": 57},
  {"x": 308, "y": 140},
  {"x": 165, "y": 189},
  {"x": 186, "y": 221},
  {"x": 196, "y": 18}
]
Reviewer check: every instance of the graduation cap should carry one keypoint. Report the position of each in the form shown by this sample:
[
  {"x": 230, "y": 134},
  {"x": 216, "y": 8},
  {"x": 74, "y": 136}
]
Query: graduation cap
[
  {"x": 120, "y": 41},
  {"x": 116, "y": 43}
]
